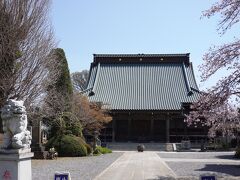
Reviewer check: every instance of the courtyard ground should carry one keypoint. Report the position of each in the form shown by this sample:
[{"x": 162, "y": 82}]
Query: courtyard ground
[
  {"x": 147, "y": 165},
  {"x": 221, "y": 164},
  {"x": 80, "y": 168}
]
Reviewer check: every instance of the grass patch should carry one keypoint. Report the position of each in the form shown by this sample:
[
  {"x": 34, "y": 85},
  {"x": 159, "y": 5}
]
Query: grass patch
[{"x": 101, "y": 150}]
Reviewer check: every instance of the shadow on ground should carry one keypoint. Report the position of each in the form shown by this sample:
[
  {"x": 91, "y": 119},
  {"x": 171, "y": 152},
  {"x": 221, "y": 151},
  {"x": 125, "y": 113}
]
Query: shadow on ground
[
  {"x": 232, "y": 170},
  {"x": 229, "y": 156},
  {"x": 172, "y": 178},
  {"x": 163, "y": 178}
]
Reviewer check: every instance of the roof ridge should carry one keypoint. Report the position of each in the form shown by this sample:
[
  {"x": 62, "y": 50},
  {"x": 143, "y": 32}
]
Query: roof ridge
[
  {"x": 141, "y": 58},
  {"x": 142, "y": 55}
]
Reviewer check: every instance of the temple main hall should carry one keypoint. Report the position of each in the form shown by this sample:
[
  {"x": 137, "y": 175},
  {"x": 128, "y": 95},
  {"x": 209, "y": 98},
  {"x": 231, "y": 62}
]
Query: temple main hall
[{"x": 148, "y": 96}]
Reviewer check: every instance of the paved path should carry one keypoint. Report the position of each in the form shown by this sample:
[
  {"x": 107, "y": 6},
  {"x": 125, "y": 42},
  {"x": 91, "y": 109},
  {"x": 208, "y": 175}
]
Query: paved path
[{"x": 137, "y": 166}]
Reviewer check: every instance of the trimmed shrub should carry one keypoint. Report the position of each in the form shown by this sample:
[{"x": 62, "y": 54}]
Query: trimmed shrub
[
  {"x": 68, "y": 145},
  {"x": 237, "y": 152},
  {"x": 225, "y": 146},
  {"x": 76, "y": 129},
  {"x": 87, "y": 146},
  {"x": 101, "y": 150},
  {"x": 89, "y": 149}
]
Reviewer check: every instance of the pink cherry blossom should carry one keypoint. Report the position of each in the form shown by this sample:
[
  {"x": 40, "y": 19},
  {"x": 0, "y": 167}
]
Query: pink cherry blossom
[{"x": 218, "y": 107}]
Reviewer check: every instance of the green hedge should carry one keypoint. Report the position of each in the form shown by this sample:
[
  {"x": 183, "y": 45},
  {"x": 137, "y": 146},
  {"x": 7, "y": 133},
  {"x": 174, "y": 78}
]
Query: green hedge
[
  {"x": 68, "y": 145},
  {"x": 237, "y": 152}
]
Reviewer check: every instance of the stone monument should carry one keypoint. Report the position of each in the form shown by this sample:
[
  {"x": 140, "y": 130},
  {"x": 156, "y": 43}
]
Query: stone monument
[
  {"x": 15, "y": 151},
  {"x": 38, "y": 140}
]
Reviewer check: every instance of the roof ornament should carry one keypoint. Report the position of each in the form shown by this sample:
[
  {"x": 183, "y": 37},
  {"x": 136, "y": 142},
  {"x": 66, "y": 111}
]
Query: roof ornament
[{"x": 91, "y": 93}]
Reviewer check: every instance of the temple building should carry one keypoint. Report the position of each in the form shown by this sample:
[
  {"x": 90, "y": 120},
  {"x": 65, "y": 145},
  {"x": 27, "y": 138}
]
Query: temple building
[{"x": 147, "y": 94}]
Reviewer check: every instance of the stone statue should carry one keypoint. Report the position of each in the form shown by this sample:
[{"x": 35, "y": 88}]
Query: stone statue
[{"x": 14, "y": 121}]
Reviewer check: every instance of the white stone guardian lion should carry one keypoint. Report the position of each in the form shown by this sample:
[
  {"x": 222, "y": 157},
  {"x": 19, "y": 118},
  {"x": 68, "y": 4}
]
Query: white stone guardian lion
[{"x": 14, "y": 121}]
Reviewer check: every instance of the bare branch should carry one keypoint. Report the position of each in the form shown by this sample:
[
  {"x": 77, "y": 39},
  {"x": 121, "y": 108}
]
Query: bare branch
[
  {"x": 79, "y": 80},
  {"x": 26, "y": 40}
]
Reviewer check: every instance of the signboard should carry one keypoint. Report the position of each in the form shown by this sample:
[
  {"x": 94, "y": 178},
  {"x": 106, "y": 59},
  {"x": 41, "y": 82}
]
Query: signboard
[
  {"x": 62, "y": 176},
  {"x": 208, "y": 178}
]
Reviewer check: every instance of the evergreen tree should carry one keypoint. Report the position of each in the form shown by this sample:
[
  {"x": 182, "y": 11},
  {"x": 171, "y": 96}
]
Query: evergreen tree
[
  {"x": 58, "y": 102},
  {"x": 63, "y": 83}
]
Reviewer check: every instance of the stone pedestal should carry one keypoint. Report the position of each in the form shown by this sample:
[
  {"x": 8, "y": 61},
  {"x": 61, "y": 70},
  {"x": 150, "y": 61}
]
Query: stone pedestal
[
  {"x": 15, "y": 164},
  {"x": 39, "y": 151}
]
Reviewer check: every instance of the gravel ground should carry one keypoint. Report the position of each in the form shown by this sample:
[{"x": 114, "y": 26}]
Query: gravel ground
[
  {"x": 199, "y": 168},
  {"x": 198, "y": 155},
  {"x": 201, "y": 163},
  {"x": 80, "y": 168}
]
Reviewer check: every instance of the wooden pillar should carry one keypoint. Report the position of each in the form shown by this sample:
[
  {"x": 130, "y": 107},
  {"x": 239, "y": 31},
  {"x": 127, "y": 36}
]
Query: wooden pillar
[
  {"x": 129, "y": 127},
  {"x": 152, "y": 128},
  {"x": 1, "y": 128},
  {"x": 113, "y": 129},
  {"x": 39, "y": 132},
  {"x": 167, "y": 127},
  {"x": 185, "y": 128}
]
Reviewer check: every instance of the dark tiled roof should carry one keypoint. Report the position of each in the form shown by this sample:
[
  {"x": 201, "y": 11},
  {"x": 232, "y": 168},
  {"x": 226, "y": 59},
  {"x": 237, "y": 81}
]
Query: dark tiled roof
[
  {"x": 140, "y": 55},
  {"x": 143, "y": 86},
  {"x": 140, "y": 58}
]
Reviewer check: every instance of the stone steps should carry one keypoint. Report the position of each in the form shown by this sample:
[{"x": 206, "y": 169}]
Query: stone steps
[{"x": 133, "y": 146}]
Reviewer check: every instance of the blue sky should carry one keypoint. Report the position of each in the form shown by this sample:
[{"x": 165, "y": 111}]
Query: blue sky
[{"x": 85, "y": 27}]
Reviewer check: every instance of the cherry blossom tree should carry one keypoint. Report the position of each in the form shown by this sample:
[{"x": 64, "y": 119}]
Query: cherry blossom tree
[{"x": 218, "y": 106}]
